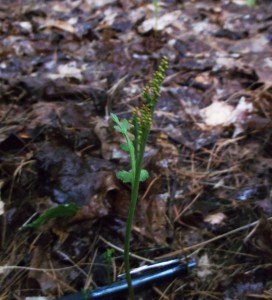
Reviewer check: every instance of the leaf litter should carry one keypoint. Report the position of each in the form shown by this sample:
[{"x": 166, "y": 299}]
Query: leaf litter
[{"x": 64, "y": 68}]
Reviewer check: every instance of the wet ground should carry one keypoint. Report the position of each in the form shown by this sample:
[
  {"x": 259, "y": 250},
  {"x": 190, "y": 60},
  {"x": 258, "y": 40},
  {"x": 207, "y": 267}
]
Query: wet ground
[{"x": 64, "y": 67}]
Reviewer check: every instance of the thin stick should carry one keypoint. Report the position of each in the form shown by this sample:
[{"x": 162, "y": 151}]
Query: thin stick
[
  {"x": 211, "y": 240},
  {"x": 122, "y": 251}
]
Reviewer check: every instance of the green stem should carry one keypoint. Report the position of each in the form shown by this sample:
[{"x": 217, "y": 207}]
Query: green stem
[{"x": 131, "y": 213}]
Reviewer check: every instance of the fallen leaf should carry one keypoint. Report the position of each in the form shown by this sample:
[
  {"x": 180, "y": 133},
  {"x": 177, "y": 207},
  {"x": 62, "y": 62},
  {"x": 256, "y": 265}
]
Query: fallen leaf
[
  {"x": 204, "y": 269},
  {"x": 218, "y": 113},
  {"x": 70, "y": 70},
  {"x": 222, "y": 114},
  {"x": 63, "y": 25},
  {"x": 215, "y": 219},
  {"x": 161, "y": 23},
  {"x": 45, "y": 279}
]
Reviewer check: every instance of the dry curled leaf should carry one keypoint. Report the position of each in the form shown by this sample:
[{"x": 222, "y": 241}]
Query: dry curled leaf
[{"x": 215, "y": 219}]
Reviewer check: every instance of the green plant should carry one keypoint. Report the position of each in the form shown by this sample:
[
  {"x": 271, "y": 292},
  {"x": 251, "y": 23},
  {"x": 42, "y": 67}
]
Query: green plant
[
  {"x": 251, "y": 2},
  {"x": 108, "y": 254},
  {"x": 85, "y": 293},
  {"x": 61, "y": 211},
  {"x": 139, "y": 127},
  {"x": 156, "y": 10},
  {"x": 107, "y": 258}
]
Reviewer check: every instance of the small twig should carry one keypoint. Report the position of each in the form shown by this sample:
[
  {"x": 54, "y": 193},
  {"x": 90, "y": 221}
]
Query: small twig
[
  {"x": 3, "y": 268},
  {"x": 162, "y": 294},
  {"x": 188, "y": 206},
  {"x": 178, "y": 252},
  {"x": 111, "y": 93},
  {"x": 89, "y": 279},
  {"x": 252, "y": 232},
  {"x": 122, "y": 251},
  {"x": 150, "y": 186}
]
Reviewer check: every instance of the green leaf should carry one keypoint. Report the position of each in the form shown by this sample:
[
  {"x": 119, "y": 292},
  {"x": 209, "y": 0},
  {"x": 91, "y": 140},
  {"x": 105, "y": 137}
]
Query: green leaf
[
  {"x": 124, "y": 147},
  {"x": 118, "y": 128},
  {"x": 251, "y": 2},
  {"x": 121, "y": 127},
  {"x": 125, "y": 176},
  {"x": 61, "y": 211},
  {"x": 125, "y": 124},
  {"x": 144, "y": 175},
  {"x": 115, "y": 118}
]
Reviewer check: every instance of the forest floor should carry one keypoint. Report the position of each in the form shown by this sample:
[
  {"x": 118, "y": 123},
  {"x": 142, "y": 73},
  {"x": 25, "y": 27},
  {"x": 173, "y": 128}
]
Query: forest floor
[{"x": 64, "y": 67}]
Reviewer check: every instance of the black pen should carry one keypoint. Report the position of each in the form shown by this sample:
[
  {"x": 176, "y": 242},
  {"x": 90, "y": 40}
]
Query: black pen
[{"x": 158, "y": 273}]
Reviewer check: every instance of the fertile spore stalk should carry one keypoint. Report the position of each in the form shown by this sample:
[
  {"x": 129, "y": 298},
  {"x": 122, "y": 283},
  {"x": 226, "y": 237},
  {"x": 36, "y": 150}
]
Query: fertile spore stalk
[{"x": 139, "y": 126}]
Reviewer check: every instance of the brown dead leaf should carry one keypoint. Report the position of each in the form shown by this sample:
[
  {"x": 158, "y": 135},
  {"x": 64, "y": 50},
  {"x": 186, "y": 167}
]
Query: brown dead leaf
[
  {"x": 46, "y": 279},
  {"x": 62, "y": 25},
  {"x": 156, "y": 221},
  {"x": 110, "y": 140}
]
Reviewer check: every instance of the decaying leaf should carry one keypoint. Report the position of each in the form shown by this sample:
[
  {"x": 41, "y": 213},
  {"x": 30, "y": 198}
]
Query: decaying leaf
[
  {"x": 223, "y": 114},
  {"x": 205, "y": 269},
  {"x": 215, "y": 219},
  {"x": 162, "y": 22},
  {"x": 63, "y": 25},
  {"x": 44, "y": 278},
  {"x": 218, "y": 113}
]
